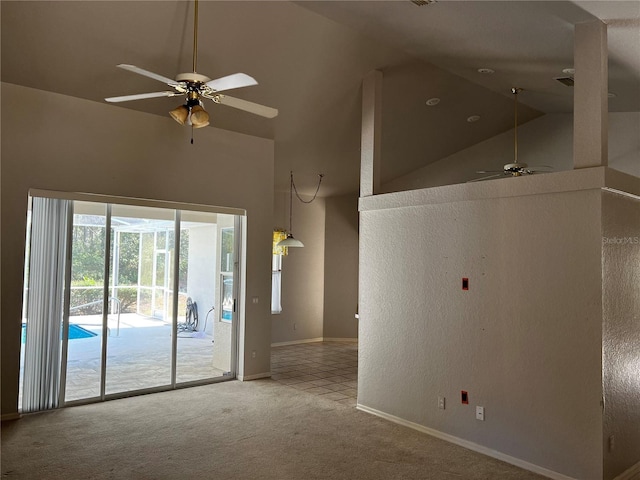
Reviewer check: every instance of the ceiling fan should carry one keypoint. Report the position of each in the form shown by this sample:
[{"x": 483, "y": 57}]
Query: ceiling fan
[
  {"x": 515, "y": 169},
  {"x": 196, "y": 87}
]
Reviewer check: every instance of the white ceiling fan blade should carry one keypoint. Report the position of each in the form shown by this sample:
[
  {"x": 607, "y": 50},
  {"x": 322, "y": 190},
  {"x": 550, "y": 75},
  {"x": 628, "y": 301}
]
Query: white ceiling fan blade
[
  {"x": 235, "y": 80},
  {"x": 248, "y": 106},
  {"x": 140, "y": 96},
  {"x": 489, "y": 171},
  {"x": 485, "y": 178},
  {"x": 146, "y": 73}
]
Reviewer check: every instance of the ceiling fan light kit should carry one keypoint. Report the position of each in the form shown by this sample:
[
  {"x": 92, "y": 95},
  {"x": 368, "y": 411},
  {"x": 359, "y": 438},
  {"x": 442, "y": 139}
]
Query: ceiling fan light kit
[
  {"x": 196, "y": 87},
  {"x": 180, "y": 114},
  {"x": 199, "y": 117}
]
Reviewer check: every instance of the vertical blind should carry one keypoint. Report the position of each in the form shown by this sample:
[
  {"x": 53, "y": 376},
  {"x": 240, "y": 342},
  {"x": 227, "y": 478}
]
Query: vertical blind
[{"x": 45, "y": 303}]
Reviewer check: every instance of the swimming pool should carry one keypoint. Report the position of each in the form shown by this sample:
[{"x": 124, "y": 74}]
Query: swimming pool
[{"x": 75, "y": 332}]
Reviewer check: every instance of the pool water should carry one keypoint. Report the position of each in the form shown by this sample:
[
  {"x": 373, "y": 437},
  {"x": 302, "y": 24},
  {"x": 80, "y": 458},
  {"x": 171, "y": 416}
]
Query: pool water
[{"x": 75, "y": 332}]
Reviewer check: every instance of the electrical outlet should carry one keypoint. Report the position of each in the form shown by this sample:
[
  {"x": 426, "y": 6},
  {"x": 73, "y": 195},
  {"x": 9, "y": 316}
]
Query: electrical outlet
[
  {"x": 441, "y": 403},
  {"x": 480, "y": 413},
  {"x": 253, "y": 354},
  {"x": 295, "y": 326}
]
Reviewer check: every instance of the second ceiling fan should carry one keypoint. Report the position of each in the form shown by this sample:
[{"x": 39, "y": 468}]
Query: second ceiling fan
[
  {"x": 515, "y": 169},
  {"x": 196, "y": 87}
]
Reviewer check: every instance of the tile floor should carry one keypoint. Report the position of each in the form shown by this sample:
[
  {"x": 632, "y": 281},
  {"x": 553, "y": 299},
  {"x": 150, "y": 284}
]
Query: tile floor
[{"x": 329, "y": 369}]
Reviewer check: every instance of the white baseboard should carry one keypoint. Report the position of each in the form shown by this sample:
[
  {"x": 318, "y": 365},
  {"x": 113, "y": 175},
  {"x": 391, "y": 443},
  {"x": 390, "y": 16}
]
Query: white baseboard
[
  {"x": 256, "y": 376},
  {"x": 632, "y": 473},
  {"x": 315, "y": 340},
  {"x": 10, "y": 416},
  {"x": 297, "y": 342},
  {"x": 467, "y": 444}
]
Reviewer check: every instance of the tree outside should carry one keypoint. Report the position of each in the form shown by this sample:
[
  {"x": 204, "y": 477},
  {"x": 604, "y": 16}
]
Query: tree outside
[{"x": 135, "y": 267}]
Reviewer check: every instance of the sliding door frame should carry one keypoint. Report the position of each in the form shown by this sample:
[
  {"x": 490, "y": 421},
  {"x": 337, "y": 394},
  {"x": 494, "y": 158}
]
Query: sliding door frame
[
  {"x": 177, "y": 207},
  {"x": 65, "y": 307}
]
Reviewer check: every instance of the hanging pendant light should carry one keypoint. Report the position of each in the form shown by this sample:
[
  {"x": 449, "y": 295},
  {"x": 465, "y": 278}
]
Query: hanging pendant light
[{"x": 290, "y": 241}]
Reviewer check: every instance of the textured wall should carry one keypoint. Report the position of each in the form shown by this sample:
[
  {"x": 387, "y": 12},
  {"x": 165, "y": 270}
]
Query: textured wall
[
  {"x": 54, "y": 142},
  {"x": 524, "y": 340},
  {"x": 302, "y": 271},
  {"x": 341, "y": 267},
  {"x": 621, "y": 331}
]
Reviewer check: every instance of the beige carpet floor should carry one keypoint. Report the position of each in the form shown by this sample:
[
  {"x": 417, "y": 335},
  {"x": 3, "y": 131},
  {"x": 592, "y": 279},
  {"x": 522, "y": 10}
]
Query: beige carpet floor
[{"x": 231, "y": 430}]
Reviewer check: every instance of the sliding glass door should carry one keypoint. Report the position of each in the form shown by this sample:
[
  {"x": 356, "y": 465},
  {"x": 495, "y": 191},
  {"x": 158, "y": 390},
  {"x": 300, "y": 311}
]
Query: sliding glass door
[
  {"x": 150, "y": 300},
  {"x": 206, "y": 341},
  {"x": 139, "y": 341},
  {"x": 86, "y": 304}
]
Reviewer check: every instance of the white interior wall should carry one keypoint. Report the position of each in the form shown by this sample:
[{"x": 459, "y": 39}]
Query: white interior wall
[
  {"x": 621, "y": 332},
  {"x": 341, "y": 268},
  {"x": 547, "y": 140},
  {"x": 54, "y": 142},
  {"x": 524, "y": 341},
  {"x": 302, "y": 271}
]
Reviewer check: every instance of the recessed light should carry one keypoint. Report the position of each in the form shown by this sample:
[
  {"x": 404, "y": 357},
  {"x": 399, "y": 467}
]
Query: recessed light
[
  {"x": 611, "y": 95},
  {"x": 433, "y": 101},
  {"x": 473, "y": 118},
  {"x": 486, "y": 70},
  {"x": 569, "y": 71}
]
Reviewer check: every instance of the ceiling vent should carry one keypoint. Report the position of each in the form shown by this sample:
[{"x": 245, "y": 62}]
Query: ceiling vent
[
  {"x": 567, "y": 81},
  {"x": 422, "y": 3}
]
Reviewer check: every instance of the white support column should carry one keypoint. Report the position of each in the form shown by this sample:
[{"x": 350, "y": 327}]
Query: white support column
[
  {"x": 590, "y": 100},
  {"x": 371, "y": 134}
]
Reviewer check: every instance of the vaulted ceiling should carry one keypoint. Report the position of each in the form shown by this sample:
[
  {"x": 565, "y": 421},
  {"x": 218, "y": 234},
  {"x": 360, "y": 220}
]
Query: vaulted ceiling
[{"x": 310, "y": 57}]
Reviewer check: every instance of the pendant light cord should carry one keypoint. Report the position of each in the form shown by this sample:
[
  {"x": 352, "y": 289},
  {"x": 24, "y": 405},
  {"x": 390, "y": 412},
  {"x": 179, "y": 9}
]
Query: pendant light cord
[
  {"x": 320, "y": 175},
  {"x": 292, "y": 188},
  {"x": 290, "y": 202}
]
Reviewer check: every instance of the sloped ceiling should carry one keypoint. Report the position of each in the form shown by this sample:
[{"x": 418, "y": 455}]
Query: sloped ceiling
[
  {"x": 527, "y": 43},
  {"x": 309, "y": 60}
]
